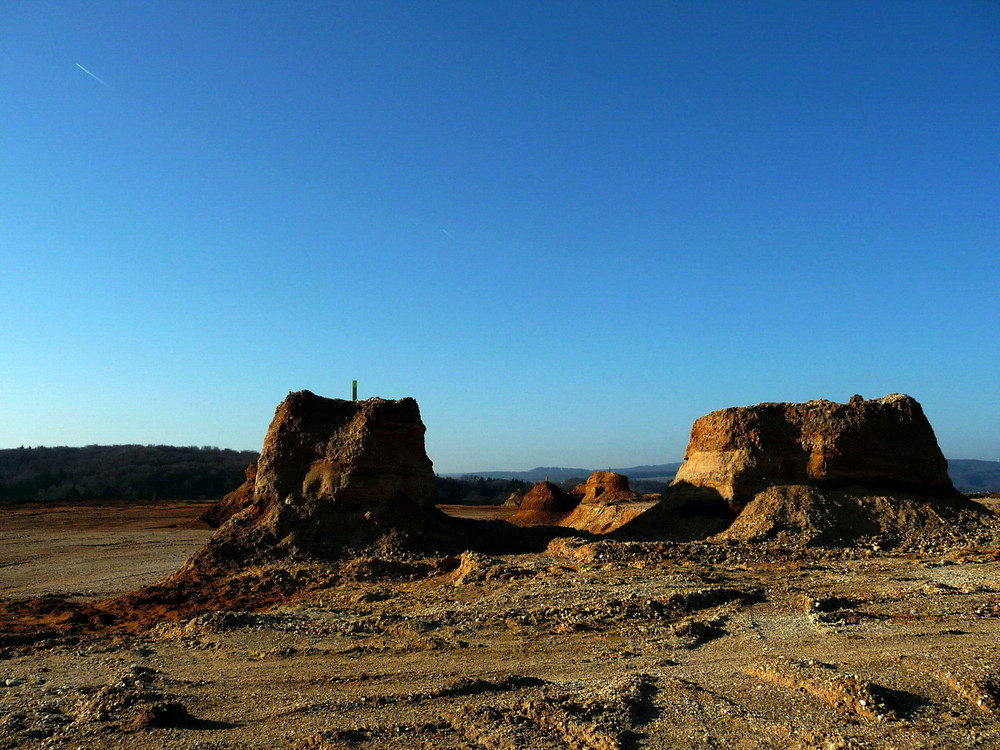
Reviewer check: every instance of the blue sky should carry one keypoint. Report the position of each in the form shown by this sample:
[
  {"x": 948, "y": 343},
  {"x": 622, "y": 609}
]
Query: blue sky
[{"x": 567, "y": 230}]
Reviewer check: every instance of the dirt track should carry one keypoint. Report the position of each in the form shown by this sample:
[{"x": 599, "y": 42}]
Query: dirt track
[{"x": 594, "y": 646}]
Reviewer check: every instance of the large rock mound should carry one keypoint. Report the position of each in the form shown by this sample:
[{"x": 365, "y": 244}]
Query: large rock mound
[
  {"x": 819, "y": 472},
  {"x": 332, "y": 476},
  {"x": 883, "y": 444}
]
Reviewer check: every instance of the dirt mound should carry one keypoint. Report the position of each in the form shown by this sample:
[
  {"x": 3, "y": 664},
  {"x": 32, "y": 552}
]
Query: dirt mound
[
  {"x": 802, "y": 515},
  {"x": 544, "y": 505},
  {"x": 514, "y": 499}
]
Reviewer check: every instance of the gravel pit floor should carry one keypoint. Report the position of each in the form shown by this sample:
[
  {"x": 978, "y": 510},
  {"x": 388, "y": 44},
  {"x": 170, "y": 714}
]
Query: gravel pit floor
[{"x": 589, "y": 645}]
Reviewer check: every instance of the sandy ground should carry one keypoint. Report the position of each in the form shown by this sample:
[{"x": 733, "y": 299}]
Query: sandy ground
[
  {"x": 589, "y": 645},
  {"x": 94, "y": 549}
]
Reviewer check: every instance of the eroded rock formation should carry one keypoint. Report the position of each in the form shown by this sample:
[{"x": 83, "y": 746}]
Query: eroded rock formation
[
  {"x": 604, "y": 487},
  {"x": 544, "y": 505},
  {"x": 334, "y": 475},
  {"x": 818, "y": 472},
  {"x": 607, "y": 502},
  {"x": 883, "y": 444}
]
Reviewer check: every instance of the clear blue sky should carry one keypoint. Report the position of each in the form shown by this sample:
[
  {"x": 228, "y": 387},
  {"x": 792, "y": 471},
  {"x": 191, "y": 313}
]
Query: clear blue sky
[{"x": 567, "y": 229}]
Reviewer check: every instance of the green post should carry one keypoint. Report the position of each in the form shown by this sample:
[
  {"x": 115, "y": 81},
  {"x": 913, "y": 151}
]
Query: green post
[{"x": 354, "y": 390}]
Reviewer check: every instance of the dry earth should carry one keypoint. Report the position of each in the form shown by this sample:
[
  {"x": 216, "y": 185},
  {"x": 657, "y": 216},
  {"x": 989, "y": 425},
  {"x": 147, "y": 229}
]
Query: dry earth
[{"x": 589, "y": 645}]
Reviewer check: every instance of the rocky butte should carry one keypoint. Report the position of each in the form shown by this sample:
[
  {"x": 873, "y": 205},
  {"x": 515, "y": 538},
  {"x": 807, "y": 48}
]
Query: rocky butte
[
  {"x": 332, "y": 476},
  {"x": 815, "y": 472}
]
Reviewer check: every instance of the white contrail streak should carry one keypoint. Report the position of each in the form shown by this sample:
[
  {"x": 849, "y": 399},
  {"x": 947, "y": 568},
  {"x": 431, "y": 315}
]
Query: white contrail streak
[
  {"x": 448, "y": 233},
  {"x": 103, "y": 83}
]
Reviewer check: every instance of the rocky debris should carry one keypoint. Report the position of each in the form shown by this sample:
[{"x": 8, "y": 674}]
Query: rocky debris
[
  {"x": 133, "y": 702},
  {"x": 879, "y": 444},
  {"x": 847, "y": 693},
  {"x": 594, "y": 718},
  {"x": 164, "y": 714},
  {"x": 975, "y": 684},
  {"x": 545, "y": 504},
  {"x": 475, "y": 567},
  {"x": 798, "y": 514}
]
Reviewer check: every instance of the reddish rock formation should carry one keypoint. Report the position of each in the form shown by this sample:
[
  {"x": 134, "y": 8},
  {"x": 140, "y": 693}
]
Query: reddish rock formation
[
  {"x": 544, "y": 505},
  {"x": 604, "y": 487},
  {"x": 883, "y": 444}
]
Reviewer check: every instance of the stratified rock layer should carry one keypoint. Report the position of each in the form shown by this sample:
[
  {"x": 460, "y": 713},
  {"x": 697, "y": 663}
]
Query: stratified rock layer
[{"x": 883, "y": 444}]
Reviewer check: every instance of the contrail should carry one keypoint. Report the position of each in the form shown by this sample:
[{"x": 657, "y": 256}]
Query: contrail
[
  {"x": 103, "y": 83},
  {"x": 448, "y": 233}
]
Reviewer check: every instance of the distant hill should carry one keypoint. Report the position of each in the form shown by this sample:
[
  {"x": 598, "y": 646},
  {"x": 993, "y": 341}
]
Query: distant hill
[
  {"x": 968, "y": 475},
  {"x": 121, "y": 472},
  {"x": 662, "y": 472}
]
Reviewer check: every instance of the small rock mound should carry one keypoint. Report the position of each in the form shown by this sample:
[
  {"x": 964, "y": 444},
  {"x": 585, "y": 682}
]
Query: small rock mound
[
  {"x": 544, "y": 505},
  {"x": 514, "y": 499},
  {"x": 605, "y": 487},
  {"x": 607, "y": 503}
]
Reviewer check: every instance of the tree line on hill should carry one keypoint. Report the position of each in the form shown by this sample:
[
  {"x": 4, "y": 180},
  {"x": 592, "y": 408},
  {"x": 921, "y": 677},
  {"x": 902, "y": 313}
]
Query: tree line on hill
[
  {"x": 149, "y": 472},
  {"x": 121, "y": 472},
  {"x": 165, "y": 472}
]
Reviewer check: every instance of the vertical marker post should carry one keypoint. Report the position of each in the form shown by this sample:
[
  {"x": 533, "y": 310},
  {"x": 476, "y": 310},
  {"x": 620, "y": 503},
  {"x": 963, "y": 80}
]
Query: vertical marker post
[{"x": 354, "y": 390}]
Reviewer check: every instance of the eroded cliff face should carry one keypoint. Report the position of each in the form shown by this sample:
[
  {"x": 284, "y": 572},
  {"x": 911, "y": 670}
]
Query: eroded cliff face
[{"x": 883, "y": 444}]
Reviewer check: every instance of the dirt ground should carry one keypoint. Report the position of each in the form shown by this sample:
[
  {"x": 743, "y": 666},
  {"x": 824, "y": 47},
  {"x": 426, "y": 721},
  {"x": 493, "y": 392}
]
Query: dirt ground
[{"x": 589, "y": 645}]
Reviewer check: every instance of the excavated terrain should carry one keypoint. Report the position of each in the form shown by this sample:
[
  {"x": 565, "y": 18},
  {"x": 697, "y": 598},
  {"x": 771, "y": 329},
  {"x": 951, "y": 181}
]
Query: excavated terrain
[{"x": 589, "y": 644}]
